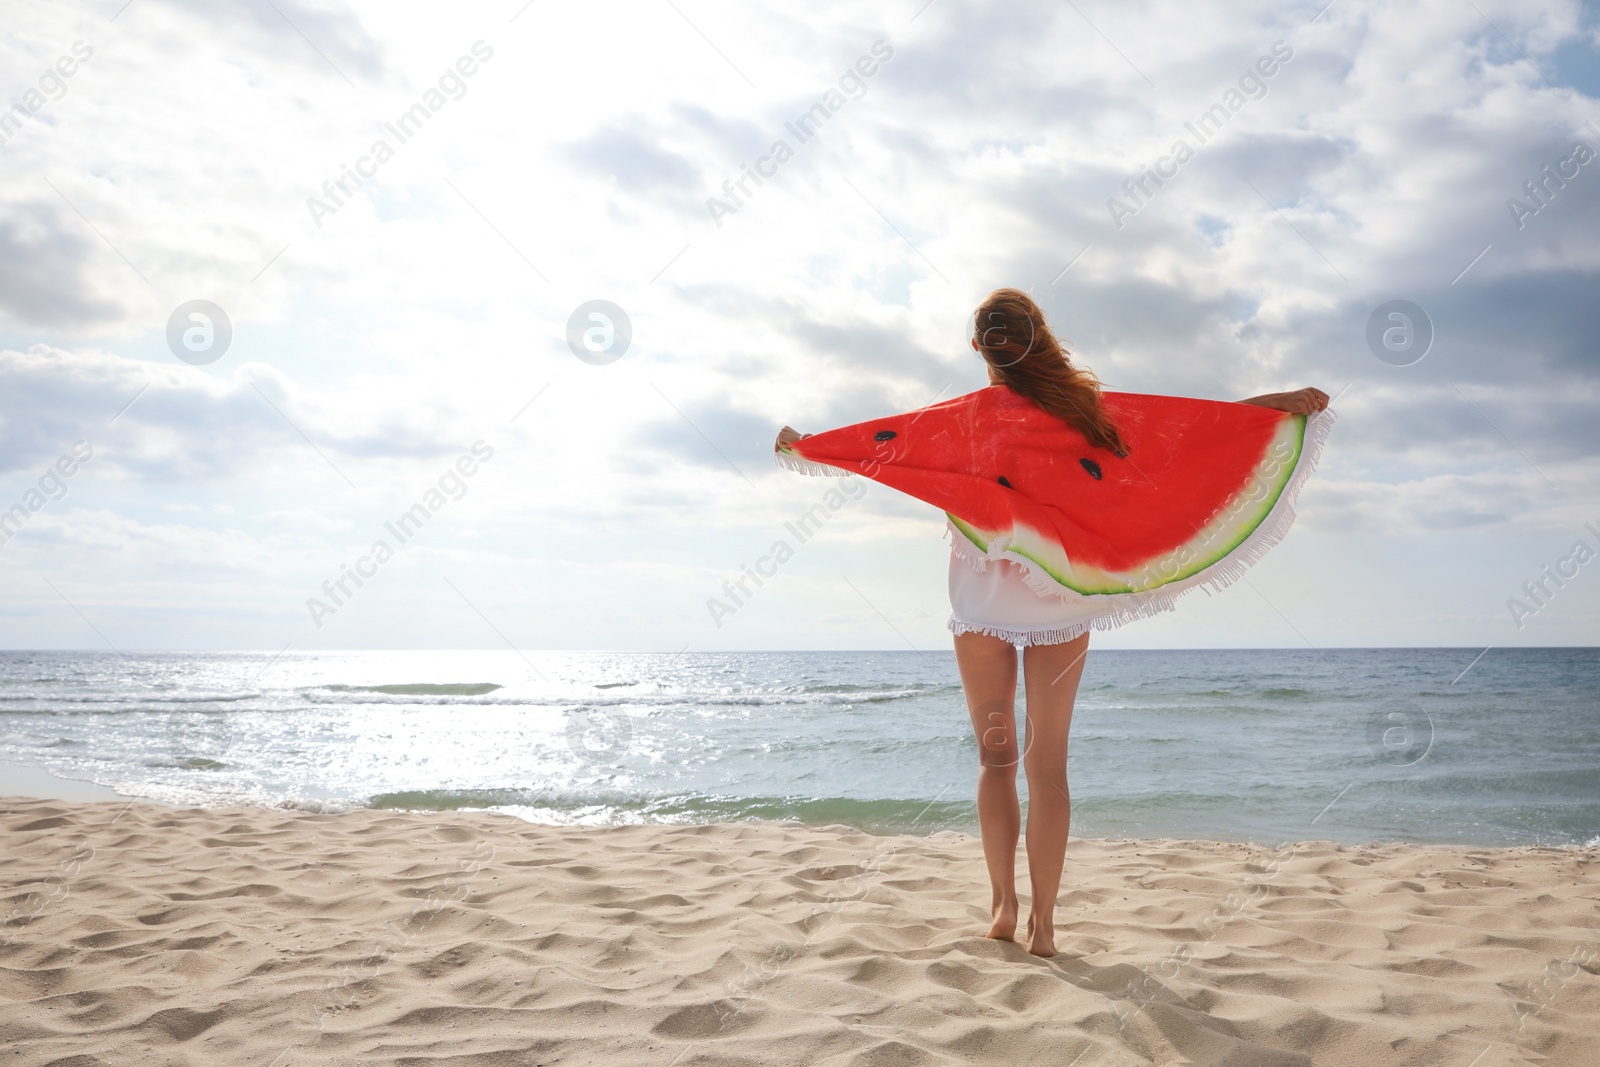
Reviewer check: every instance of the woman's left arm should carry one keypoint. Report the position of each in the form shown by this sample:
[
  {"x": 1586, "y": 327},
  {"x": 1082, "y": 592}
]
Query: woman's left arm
[{"x": 1300, "y": 402}]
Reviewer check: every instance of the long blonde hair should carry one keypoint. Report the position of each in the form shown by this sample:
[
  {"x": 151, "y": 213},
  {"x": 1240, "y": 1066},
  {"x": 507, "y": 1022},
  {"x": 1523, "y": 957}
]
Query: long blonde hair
[{"x": 1010, "y": 332}]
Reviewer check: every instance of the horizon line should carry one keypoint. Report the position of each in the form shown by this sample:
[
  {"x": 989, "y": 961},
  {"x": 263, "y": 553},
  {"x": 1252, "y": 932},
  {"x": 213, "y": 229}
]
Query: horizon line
[{"x": 793, "y": 651}]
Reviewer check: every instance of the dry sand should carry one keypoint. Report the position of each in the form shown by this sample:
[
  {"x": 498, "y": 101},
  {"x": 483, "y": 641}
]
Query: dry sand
[{"x": 144, "y": 935}]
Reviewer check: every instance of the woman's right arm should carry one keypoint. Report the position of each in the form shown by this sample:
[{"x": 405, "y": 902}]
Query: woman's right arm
[{"x": 787, "y": 436}]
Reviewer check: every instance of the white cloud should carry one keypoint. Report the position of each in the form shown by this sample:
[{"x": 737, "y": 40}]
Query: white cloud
[{"x": 425, "y": 312}]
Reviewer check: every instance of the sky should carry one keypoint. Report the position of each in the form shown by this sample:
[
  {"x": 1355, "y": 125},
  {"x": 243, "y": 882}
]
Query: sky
[{"x": 396, "y": 218}]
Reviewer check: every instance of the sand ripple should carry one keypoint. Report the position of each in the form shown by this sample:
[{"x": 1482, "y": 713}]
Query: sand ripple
[{"x": 144, "y": 935}]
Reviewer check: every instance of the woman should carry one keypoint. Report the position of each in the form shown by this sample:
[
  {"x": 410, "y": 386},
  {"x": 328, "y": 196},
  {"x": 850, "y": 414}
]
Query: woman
[{"x": 996, "y": 609}]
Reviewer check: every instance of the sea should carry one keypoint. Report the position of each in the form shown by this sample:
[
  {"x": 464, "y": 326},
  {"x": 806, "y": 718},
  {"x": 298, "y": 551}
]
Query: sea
[{"x": 1496, "y": 747}]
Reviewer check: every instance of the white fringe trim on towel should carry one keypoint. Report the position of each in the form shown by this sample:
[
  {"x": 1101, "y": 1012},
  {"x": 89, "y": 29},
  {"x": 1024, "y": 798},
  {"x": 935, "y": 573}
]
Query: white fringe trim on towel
[
  {"x": 790, "y": 461},
  {"x": 1121, "y": 608},
  {"x": 1025, "y": 638}
]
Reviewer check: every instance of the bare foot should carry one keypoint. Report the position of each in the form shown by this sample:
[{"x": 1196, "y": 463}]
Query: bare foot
[
  {"x": 1004, "y": 927},
  {"x": 1041, "y": 941}
]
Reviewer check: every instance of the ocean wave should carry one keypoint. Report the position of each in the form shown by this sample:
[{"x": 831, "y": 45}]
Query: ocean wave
[
  {"x": 24, "y": 740},
  {"x": 587, "y": 697},
  {"x": 487, "y": 693},
  {"x": 421, "y": 689},
  {"x": 292, "y": 702},
  {"x": 919, "y": 688},
  {"x": 147, "y": 698},
  {"x": 183, "y": 763},
  {"x": 872, "y": 816},
  {"x": 108, "y": 709}
]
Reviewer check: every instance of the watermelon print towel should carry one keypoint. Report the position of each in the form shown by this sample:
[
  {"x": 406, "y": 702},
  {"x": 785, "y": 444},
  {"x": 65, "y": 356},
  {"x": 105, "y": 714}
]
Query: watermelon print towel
[{"x": 1205, "y": 489}]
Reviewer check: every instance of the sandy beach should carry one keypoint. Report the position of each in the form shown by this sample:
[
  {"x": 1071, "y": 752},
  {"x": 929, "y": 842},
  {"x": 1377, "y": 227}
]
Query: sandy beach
[{"x": 141, "y": 934}]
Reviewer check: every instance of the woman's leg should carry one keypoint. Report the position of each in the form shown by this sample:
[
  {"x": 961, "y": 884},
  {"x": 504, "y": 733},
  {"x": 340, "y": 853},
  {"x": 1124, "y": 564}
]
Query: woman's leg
[
  {"x": 1050, "y": 675},
  {"x": 989, "y": 677}
]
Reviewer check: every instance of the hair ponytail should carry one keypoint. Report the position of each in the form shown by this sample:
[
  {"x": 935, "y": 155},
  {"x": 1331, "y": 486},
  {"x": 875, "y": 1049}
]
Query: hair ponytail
[{"x": 1010, "y": 332}]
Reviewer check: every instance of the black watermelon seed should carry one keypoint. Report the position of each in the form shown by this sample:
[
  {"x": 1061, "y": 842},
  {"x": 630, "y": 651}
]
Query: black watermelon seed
[
  {"x": 1120, "y": 454},
  {"x": 1091, "y": 466},
  {"x": 1004, "y": 482},
  {"x": 884, "y": 435}
]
